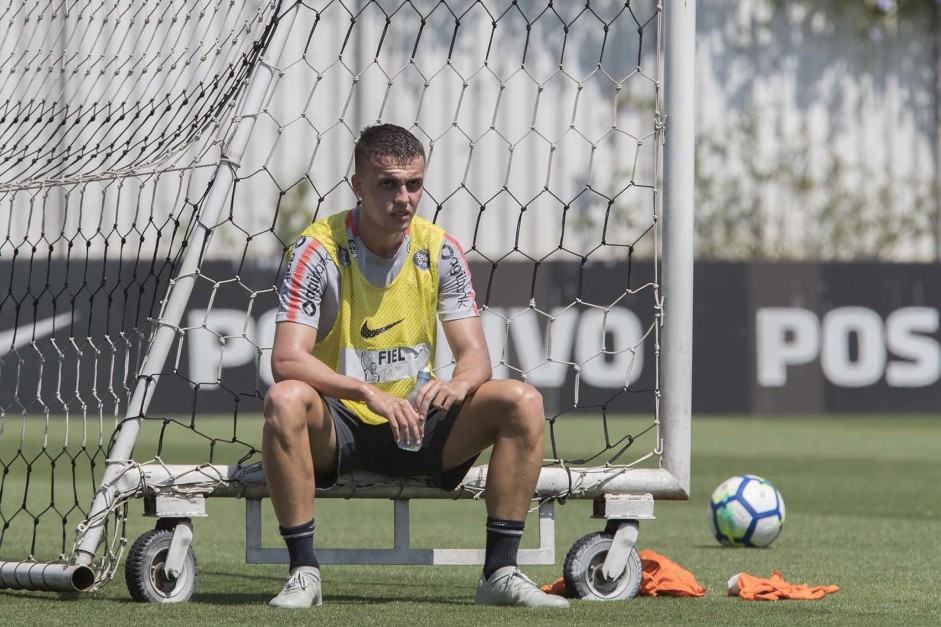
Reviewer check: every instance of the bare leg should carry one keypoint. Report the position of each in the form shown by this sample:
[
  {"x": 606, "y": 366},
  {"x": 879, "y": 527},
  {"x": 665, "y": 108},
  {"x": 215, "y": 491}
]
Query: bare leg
[
  {"x": 298, "y": 435},
  {"x": 509, "y": 416}
]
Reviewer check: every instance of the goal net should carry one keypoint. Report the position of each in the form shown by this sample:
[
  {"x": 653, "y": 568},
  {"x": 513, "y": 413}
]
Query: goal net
[{"x": 157, "y": 160}]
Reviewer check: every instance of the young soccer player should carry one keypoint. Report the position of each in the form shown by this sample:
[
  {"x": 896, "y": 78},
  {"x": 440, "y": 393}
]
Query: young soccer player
[{"x": 358, "y": 321}]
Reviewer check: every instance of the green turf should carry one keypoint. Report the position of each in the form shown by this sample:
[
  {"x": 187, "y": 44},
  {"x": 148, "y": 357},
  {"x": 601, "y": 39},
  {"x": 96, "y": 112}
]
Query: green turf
[{"x": 863, "y": 512}]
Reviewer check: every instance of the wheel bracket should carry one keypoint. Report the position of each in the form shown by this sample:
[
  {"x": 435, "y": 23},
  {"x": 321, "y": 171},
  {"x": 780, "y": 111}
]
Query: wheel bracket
[
  {"x": 623, "y": 513},
  {"x": 616, "y": 560},
  {"x": 176, "y": 555}
]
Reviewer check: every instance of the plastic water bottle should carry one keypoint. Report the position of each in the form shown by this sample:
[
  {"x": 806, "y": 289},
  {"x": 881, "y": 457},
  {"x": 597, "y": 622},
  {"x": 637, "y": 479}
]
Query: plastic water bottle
[{"x": 424, "y": 376}]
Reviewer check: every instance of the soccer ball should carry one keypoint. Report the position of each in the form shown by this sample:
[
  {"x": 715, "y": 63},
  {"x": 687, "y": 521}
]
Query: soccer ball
[{"x": 746, "y": 510}]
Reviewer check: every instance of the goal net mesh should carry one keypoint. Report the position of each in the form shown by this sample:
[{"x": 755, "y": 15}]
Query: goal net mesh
[{"x": 543, "y": 127}]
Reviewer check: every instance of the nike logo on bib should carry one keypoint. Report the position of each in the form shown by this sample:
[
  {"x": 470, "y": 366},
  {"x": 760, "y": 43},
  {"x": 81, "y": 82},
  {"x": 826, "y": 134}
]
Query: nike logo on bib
[{"x": 368, "y": 333}]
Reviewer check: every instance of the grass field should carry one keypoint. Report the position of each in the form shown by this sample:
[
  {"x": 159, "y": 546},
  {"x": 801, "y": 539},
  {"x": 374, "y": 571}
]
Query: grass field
[{"x": 863, "y": 512}]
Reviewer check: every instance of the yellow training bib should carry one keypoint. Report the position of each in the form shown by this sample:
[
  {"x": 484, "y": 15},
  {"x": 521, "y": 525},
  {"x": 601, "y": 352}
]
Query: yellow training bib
[{"x": 382, "y": 335}]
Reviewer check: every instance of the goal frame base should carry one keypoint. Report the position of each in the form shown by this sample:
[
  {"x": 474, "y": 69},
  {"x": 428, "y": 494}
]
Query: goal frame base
[{"x": 162, "y": 483}]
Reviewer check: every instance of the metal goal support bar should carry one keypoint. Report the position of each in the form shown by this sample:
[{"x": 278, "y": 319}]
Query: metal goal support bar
[
  {"x": 46, "y": 577},
  {"x": 248, "y": 482},
  {"x": 402, "y": 552}
]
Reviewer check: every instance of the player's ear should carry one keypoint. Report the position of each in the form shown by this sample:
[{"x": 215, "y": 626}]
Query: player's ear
[{"x": 357, "y": 185}]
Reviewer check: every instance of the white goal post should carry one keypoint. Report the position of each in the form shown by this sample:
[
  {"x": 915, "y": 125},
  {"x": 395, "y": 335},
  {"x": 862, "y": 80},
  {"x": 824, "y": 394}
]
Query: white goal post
[{"x": 158, "y": 159}]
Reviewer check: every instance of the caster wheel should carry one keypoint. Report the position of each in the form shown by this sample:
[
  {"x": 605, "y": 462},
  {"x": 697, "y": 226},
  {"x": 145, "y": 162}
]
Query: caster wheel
[
  {"x": 144, "y": 575},
  {"x": 583, "y": 570}
]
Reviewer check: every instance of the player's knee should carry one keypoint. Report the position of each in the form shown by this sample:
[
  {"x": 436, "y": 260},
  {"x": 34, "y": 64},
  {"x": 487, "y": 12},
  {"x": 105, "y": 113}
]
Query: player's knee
[
  {"x": 287, "y": 404},
  {"x": 527, "y": 407}
]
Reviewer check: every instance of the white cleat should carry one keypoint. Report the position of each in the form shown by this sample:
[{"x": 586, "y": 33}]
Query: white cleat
[
  {"x": 301, "y": 590},
  {"x": 508, "y": 586}
]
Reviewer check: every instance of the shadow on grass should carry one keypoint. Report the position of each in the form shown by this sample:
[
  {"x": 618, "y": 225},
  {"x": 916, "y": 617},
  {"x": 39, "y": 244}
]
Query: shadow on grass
[
  {"x": 255, "y": 599},
  {"x": 345, "y": 588},
  {"x": 39, "y": 595}
]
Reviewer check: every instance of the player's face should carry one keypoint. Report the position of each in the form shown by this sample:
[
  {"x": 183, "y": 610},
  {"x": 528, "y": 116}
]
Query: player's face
[{"x": 390, "y": 192}]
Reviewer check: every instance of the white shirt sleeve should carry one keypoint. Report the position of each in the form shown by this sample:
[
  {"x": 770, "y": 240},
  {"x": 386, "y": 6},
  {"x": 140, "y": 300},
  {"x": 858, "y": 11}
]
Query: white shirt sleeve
[
  {"x": 456, "y": 296},
  {"x": 310, "y": 286}
]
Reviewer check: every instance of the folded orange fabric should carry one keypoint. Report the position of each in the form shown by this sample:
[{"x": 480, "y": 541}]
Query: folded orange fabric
[
  {"x": 557, "y": 588},
  {"x": 664, "y": 577},
  {"x": 774, "y": 588},
  {"x": 661, "y": 576}
]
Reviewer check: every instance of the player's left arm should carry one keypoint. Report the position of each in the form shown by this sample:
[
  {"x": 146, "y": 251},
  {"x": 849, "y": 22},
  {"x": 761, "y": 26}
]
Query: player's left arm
[
  {"x": 472, "y": 368},
  {"x": 457, "y": 310}
]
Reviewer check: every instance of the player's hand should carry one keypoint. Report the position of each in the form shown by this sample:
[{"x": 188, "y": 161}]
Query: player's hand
[
  {"x": 440, "y": 395},
  {"x": 408, "y": 427}
]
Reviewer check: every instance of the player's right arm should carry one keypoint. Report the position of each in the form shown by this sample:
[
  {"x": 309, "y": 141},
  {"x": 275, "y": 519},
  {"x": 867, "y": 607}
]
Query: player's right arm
[{"x": 291, "y": 359}]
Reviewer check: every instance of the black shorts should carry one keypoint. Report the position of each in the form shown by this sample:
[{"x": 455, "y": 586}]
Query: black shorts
[{"x": 371, "y": 448}]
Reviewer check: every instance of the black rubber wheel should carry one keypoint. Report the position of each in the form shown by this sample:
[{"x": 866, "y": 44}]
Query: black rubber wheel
[
  {"x": 143, "y": 571},
  {"x": 583, "y": 575}
]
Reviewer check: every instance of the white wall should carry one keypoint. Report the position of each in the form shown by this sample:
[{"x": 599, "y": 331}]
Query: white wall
[
  {"x": 814, "y": 139},
  {"x": 817, "y": 129},
  {"x": 520, "y": 123}
]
